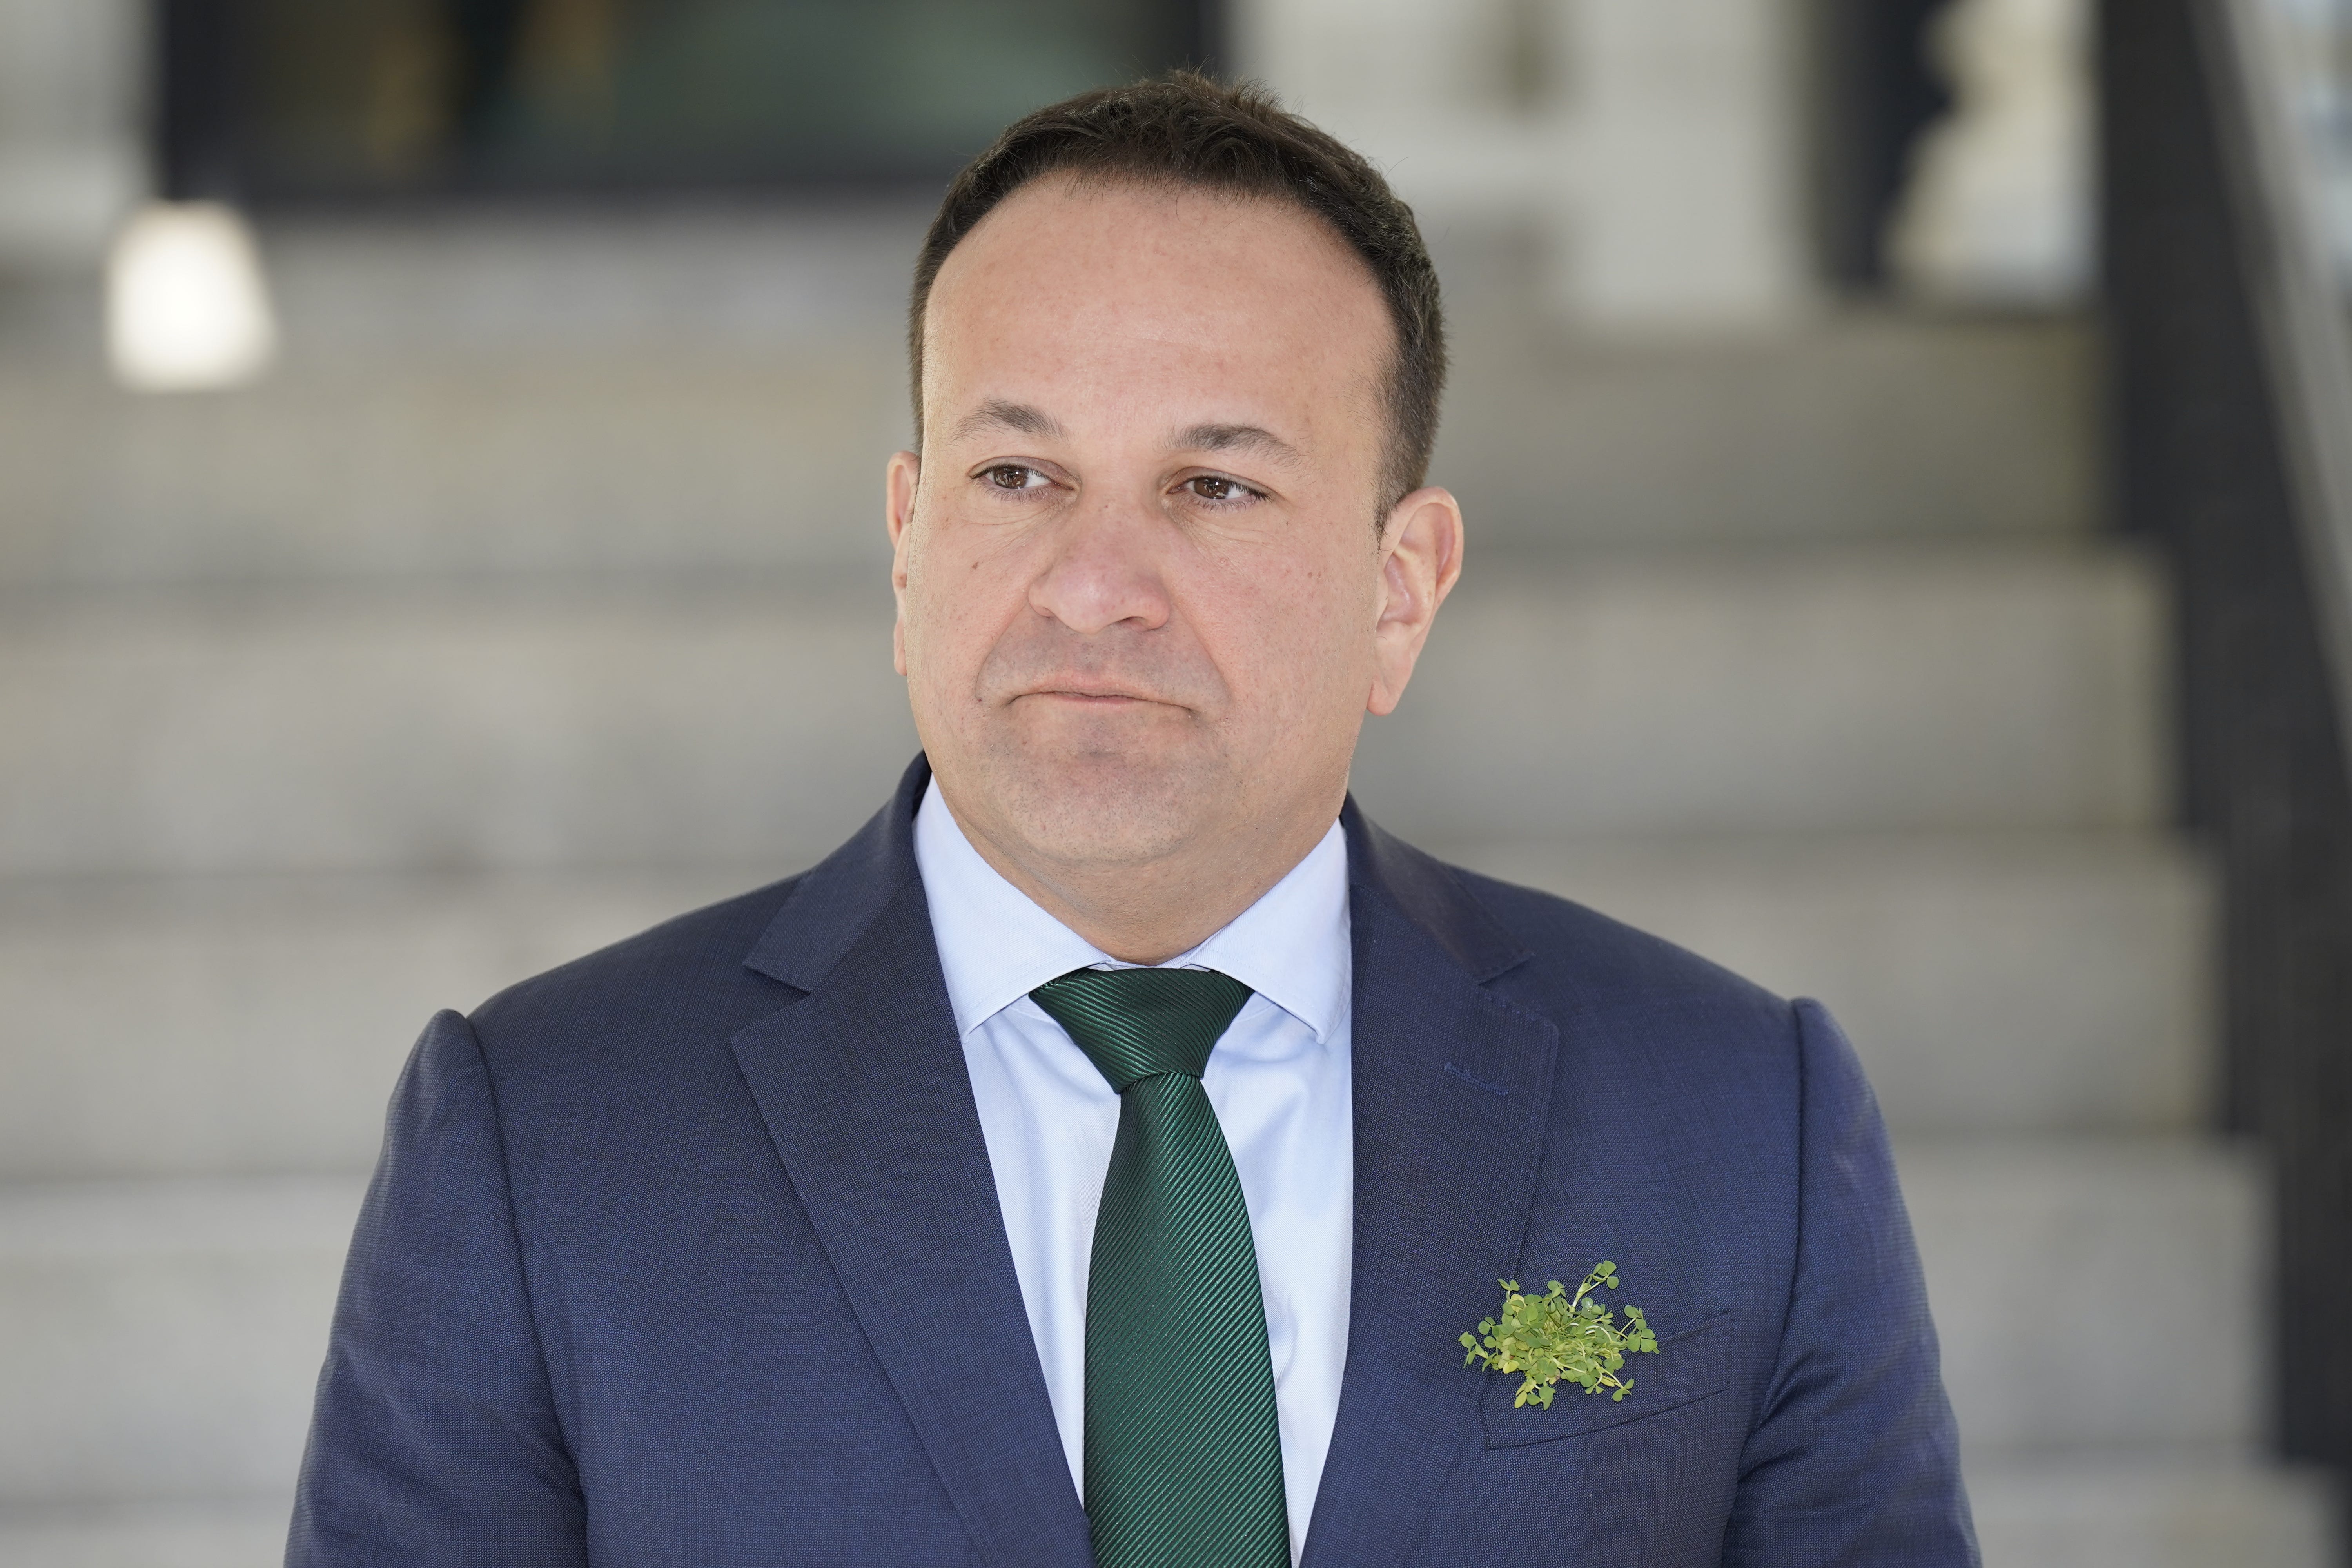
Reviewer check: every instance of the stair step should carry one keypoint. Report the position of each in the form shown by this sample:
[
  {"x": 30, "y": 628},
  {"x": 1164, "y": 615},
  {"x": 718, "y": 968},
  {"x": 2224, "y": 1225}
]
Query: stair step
[
  {"x": 441, "y": 730},
  {"x": 2194, "y": 1512},
  {"x": 193, "y": 734},
  {"x": 269, "y": 1019},
  {"x": 1992, "y": 982},
  {"x": 229, "y": 1535},
  {"x": 647, "y": 459},
  {"x": 1869, "y": 425},
  {"x": 715, "y": 458},
  {"x": 160, "y": 1340},
  {"x": 460, "y": 287},
  {"x": 708, "y": 391},
  {"x": 717, "y": 391},
  {"x": 1837, "y": 691},
  {"x": 2095, "y": 1292}
]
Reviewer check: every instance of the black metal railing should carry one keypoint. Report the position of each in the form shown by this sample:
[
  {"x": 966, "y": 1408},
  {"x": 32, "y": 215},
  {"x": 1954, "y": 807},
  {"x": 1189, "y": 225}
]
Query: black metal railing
[{"x": 2233, "y": 389}]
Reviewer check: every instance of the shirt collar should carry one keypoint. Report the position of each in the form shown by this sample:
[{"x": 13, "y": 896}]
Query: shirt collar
[{"x": 996, "y": 945}]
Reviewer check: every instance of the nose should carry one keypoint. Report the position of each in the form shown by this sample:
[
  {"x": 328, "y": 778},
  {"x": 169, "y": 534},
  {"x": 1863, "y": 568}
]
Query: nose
[{"x": 1105, "y": 571}]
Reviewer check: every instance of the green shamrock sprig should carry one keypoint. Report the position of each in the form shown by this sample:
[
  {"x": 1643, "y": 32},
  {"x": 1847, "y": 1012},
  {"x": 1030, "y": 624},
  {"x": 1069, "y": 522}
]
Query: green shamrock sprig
[{"x": 1557, "y": 1338}]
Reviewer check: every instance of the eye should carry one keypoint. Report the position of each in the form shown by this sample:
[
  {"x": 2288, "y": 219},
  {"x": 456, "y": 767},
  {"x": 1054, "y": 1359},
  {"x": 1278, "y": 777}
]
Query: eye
[
  {"x": 1013, "y": 476},
  {"x": 1218, "y": 487}
]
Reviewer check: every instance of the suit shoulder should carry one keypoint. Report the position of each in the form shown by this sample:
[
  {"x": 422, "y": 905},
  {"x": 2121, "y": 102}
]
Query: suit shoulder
[
  {"x": 1671, "y": 1046},
  {"x": 687, "y": 969},
  {"x": 1580, "y": 956}
]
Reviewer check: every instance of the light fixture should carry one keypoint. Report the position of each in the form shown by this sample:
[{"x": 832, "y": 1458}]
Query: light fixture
[{"x": 187, "y": 308}]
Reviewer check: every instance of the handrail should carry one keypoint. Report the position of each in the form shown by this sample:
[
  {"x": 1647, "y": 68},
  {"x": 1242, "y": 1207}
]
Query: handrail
[
  {"x": 2232, "y": 402},
  {"x": 2291, "y": 275}
]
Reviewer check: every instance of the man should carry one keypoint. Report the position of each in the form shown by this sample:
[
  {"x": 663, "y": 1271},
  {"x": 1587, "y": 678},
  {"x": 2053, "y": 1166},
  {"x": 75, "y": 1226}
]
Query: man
[{"x": 1104, "y": 1152}]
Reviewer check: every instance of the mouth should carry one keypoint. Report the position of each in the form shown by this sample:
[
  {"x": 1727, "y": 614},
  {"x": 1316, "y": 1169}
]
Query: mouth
[{"x": 1087, "y": 699}]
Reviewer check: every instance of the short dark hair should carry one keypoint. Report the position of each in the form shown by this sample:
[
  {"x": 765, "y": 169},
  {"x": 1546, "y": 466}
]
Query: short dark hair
[{"x": 1184, "y": 129}]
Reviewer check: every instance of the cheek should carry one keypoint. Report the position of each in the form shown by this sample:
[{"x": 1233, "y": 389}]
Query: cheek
[
  {"x": 930, "y": 638},
  {"x": 1305, "y": 640},
  {"x": 954, "y": 607}
]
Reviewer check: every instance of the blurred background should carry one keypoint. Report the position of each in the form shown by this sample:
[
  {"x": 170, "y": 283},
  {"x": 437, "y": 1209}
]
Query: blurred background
[{"x": 1909, "y": 452}]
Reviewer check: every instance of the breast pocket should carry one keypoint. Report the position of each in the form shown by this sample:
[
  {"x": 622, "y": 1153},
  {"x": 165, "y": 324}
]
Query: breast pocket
[{"x": 1686, "y": 1368}]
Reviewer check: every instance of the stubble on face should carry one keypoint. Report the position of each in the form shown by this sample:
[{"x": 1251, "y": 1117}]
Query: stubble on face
[
  {"x": 1122, "y": 676},
  {"x": 1108, "y": 748}
]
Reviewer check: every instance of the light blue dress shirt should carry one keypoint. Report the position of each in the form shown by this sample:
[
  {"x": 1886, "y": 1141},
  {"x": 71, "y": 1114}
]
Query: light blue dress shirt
[{"x": 1278, "y": 1080}]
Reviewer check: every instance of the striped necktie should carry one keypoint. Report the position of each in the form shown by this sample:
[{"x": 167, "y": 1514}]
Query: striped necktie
[{"x": 1183, "y": 1450}]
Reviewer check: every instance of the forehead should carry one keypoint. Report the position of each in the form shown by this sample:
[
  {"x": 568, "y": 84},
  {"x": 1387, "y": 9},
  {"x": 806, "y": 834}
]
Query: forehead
[{"x": 1179, "y": 286}]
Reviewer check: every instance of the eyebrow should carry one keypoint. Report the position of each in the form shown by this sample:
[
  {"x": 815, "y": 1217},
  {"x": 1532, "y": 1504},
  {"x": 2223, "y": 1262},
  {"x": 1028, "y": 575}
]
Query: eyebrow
[
  {"x": 1026, "y": 419},
  {"x": 998, "y": 415},
  {"x": 1236, "y": 439}
]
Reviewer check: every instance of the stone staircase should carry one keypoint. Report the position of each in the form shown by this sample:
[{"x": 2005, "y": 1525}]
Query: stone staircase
[{"x": 540, "y": 595}]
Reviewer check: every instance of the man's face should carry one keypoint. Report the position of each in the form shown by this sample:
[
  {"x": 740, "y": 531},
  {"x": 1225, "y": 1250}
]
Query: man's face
[{"x": 1144, "y": 593}]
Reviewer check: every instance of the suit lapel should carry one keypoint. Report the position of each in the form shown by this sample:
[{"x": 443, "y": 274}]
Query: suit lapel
[
  {"x": 1451, "y": 1087},
  {"x": 863, "y": 1086}
]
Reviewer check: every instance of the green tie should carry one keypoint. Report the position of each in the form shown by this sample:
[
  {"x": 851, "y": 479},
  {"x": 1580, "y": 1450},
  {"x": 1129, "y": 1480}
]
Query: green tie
[{"x": 1183, "y": 1459}]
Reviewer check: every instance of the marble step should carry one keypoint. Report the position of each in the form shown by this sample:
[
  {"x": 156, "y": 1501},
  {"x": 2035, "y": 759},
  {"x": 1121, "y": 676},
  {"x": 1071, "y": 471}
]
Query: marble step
[
  {"x": 719, "y": 391},
  {"x": 631, "y": 459},
  {"x": 2194, "y": 1510},
  {"x": 159, "y": 1340},
  {"x": 1852, "y": 690},
  {"x": 213, "y": 1026},
  {"x": 444, "y": 729},
  {"x": 2107, "y": 1293},
  {"x": 225, "y": 1534},
  {"x": 1842, "y": 689},
  {"x": 1871, "y": 425},
  {"x": 704, "y": 391},
  {"x": 1992, "y": 982}
]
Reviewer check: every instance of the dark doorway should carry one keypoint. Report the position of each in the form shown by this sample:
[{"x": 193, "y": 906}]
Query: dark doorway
[{"x": 271, "y": 100}]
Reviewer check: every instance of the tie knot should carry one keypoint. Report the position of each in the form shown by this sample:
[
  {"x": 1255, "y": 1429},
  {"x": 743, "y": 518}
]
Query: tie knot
[{"x": 1135, "y": 1024}]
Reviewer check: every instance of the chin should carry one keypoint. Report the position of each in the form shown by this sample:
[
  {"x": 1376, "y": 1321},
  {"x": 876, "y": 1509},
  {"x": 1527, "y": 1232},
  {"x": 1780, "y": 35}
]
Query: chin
[{"x": 1107, "y": 808}]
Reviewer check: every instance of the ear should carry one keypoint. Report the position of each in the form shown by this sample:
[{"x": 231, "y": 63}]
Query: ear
[
  {"x": 1421, "y": 560},
  {"x": 899, "y": 482}
]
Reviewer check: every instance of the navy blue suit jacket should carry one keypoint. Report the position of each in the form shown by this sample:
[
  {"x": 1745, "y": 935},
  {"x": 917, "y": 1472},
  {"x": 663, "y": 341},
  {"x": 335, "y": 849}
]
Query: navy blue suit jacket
[{"x": 689, "y": 1253}]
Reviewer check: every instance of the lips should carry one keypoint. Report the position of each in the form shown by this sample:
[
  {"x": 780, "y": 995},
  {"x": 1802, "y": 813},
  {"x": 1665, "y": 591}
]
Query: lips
[
  {"x": 1071, "y": 694},
  {"x": 1038, "y": 657}
]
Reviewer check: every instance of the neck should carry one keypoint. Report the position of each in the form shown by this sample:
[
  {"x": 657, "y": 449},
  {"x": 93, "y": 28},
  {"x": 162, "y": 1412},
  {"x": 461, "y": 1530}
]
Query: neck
[{"x": 1148, "y": 912}]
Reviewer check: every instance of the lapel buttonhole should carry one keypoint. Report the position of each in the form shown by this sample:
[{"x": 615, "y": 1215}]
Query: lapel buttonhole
[{"x": 1475, "y": 1081}]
